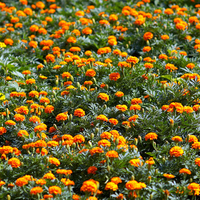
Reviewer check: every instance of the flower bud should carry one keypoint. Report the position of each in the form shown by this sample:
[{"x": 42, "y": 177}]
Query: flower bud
[
  {"x": 135, "y": 141},
  {"x": 108, "y": 168},
  {"x": 94, "y": 80},
  {"x": 104, "y": 106},
  {"x": 140, "y": 58},
  {"x": 117, "y": 141},
  {"x": 139, "y": 138},
  {"x": 70, "y": 117},
  {"x": 90, "y": 143},
  {"x": 8, "y": 197},
  {"x": 106, "y": 87},
  {"x": 72, "y": 78},
  {"x": 148, "y": 43},
  {"x": 92, "y": 136},
  {"x": 137, "y": 30},
  {"x": 96, "y": 130},
  {"x": 132, "y": 177}
]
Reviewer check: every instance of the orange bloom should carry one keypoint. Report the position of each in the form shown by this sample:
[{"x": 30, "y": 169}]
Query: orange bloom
[
  {"x": 122, "y": 108},
  {"x": 177, "y": 139},
  {"x": 21, "y": 182},
  {"x": 8, "y": 41},
  {"x": 184, "y": 171},
  {"x": 194, "y": 188},
  {"x": 19, "y": 117},
  {"x": 36, "y": 190},
  {"x": 49, "y": 109},
  {"x": 116, "y": 180},
  {"x": 119, "y": 94},
  {"x": 103, "y": 96},
  {"x": 33, "y": 44},
  {"x": 2, "y": 130},
  {"x": 148, "y": 36},
  {"x": 54, "y": 161},
  {"x": 55, "y": 190},
  {"x": 30, "y": 81},
  {"x": 134, "y": 185},
  {"x": 22, "y": 133},
  {"x": 151, "y": 136},
  {"x": 146, "y": 49},
  {"x": 66, "y": 75},
  {"x": 114, "y": 76},
  {"x": 102, "y": 118},
  {"x": 136, "y": 162},
  {"x": 14, "y": 162},
  {"x": 112, "y": 154},
  {"x": 96, "y": 150},
  {"x": 111, "y": 186},
  {"x": 113, "y": 121},
  {"x": 92, "y": 170},
  {"x": 49, "y": 175},
  {"x": 168, "y": 176},
  {"x": 89, "y": 186},
  {"x": 79, "y": 112},
  {"x": 79, "y": 139},
  {"x": 61, "y": 116},
  {"x": 87, "y": 31},
  {"x": 10, "y": 122},
  {"x": 132, "y": 59},
  {"x": 90, "y": 73},
  {"x": 104, "y": 143},
  {"x": 176, "y": 151}
]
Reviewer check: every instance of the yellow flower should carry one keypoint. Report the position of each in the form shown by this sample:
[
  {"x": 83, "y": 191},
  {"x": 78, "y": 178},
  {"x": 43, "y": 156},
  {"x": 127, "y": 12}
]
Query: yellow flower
[{"x": 2, "y": 96}]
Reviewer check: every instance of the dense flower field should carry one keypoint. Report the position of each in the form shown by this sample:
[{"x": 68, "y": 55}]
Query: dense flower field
[{"x": 100, "y": 99}]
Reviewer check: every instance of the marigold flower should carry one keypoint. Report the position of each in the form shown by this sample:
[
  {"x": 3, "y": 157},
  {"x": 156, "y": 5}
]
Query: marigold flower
[
  {"x": 177, "y": 139},
  {"x": 112, "y": 154},
  {"x": 55, "y": 190},
  {"x": 2, "y": 130},
  {"x": 49, "y": 175},
  {"x": 79, "y": 112},
  {"x": 113, "y": 121},
  {"x": 67, "y": 182},
  {"x": 192, "y": 138},
  {"x": 10, "y": 122},
  {"x": 151, "y": 136},
  {"x": 176, "y": 151},
  {"x": 30, "y": 81},
  {"x": 111, "y": 186},
  {"x": 135, "y": 107},
  {"x": 14, "y": 162},
  {"x": 114, "y": 76},
  {"x": 41, "y": 182},
  {"x": 116, "y": 180},
  {"x": 148, "y": 36},
  {"x": 196, "y": 145},
  {"x": 87, "y": 31},
  {"x": 64, "y": 171},
  {"x": 61, "y": 117},
  {"x": 164, "y": 37},
  {"x": 122, "y": 108},
  {"x": 8, "y": 41},
  {"x": 134, "y": 185},
  {"x": 146, "y": 49},
  {"x": 54, "y": 161},
  {"x": 102, "y": 118},
  {"x": 89, "y": 186},
  {"x": 34, "y": 119},
  {"x": 90, "y": 73},
  {"x": 66, "y": 75},
  {"x": 184, "y": 171},
  {"x": 2, "y": 183},
  {"x": 103, "y": 96},
  {"x": 49, "y": 109},
  {"x": 21, "y": 182},
  {"x": 104, "y": 143},
  {"x": 92, "y": 170},
  {"x": 96, "y": 150},
  {"x": 136, "y": 162},
  {"x": 79, "y": 139},
  {"x": 75, "y": 49},
  {"x": 132, "y": 59},
  {"x": 36, "y": 190},
  {"x": 194, "y": 187}
]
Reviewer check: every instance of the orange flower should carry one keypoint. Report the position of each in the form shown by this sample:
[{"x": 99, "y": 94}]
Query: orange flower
[
  {"x": 21, "y": 182},
  {"x": 113, "y": 121},
  {"x": 111, "y": 186},
  {"x": 66, "y": 75},
  {"x": 176, "y": 151},
  {"x": 22, "y": 133},
  {"x": 168, "y": 176},
  {"x": 55, "y": 190},
  {"x": 8, "y": 41},
  {"x": 122, "y": 108},
  {"x": 2, "y": 130},
  {"x": 80, "y": 13},
  {"x": 135, "y": 107},
  {"x": 113, "y": 17},
  {"x": 33, "y": 44},
  {"x": 19, "y": 117},
  {"x": 164, "y": 37},
  {"x": 10, "y": 122},
  {"x": 49, "y": 175},
  {"x": 44, "y": 100},
  {"x": 151, "y": 136},
  {"x": 14, "y": 162},
  {"x": 168, "y": 11},
  {"x": 71, "y": 40},
  {"x": 90, "y": 73},
  {"x": 132, "y": 59},
  {"x": 92, "y": 170},
  {"x": 54, "y": 161},
  {"x": 104, "y": 143},
  {"x": 36, "y": 190},
  {"x": 75, "y": 49},
  {"x": 34, "y": 28},
  {"x": 177, "y": 139},
  {"x": 114, "y": 76},
  {"x": 30, "y": 81},
  {"x": 102, "y": 118},
  {"x": 112, "y": 154},
  {"x": 50, "y": 58},
  {"x": 87, "y": 31},
  {"x": 196, "y": 145},
  {"x": 194, "y": 188},
  {"x": 103, "y": 96},
  {"x": 79, "y": 139},
  {"x": 136, "y": 162},
  {"x": 116, "y": 180},
  {"x": 96, "y": 150},
  {"x": 61, "y": 116},
  {"x": 148, "y": 36},
  {"x": 133, "y": 118},
  {"x": 171, "y": 67},
  {"x": 146, "y": 49},
  {"x": 49, "y": 109},
  {"x": 79, "y": 112},
  {"x": 134, "y": 185},
  {"x": 119, "y": 94},
  {"x": 184, "y": 171},
  {"x": 89, "y": 186}
]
